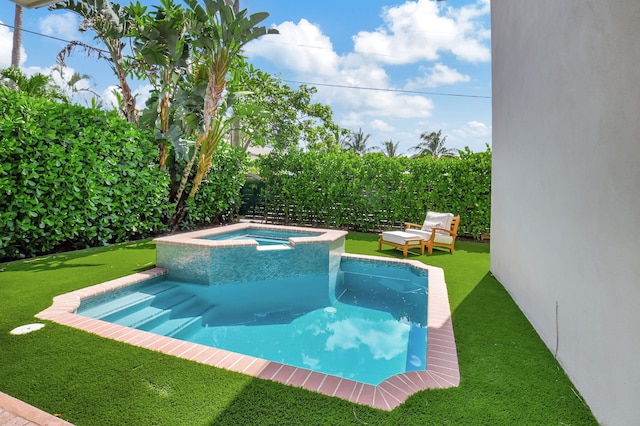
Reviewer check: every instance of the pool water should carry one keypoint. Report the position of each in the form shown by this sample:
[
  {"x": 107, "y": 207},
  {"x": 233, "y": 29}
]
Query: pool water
[
  {"x": 367, "y": 324},
  {"x": 262, "y": 236}
]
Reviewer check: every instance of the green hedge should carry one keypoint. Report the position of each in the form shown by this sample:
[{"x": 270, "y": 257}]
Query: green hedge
[
  {"x": 374, "y": 192},
  {"x": 74, "y": 177},
  {"x": 219, "y": 198}
]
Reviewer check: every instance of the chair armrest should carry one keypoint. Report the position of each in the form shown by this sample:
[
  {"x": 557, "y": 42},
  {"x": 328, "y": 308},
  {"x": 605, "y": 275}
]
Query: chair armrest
[
  {"x": 409, "y": 225},
  {"x": 448, "y": 231}
]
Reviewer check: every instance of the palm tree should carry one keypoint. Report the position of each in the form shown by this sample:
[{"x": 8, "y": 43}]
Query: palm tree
[
  {"x": 357, "y": 142},
  {"x": 17, "y": 36},
  {"x": 389, "y": 148},
  {"x": 38, "y": 85},
  {"x": 433, "y": 146},
  {"x": 112, "y": 24}
]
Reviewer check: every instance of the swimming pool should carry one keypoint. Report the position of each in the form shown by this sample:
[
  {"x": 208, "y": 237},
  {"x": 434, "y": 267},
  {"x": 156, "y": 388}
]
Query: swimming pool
[
  {"x": 263, "y": 236},
  {"x": 210, "y": 264},
  {"x": 371, "y": 327}
]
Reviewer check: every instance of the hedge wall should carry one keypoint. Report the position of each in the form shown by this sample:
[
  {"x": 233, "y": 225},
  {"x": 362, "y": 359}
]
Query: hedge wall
[
  {"x": 73, "y": 177},
  {"x": 374, "y": 192},
  {"x": 219, "y": 197}
]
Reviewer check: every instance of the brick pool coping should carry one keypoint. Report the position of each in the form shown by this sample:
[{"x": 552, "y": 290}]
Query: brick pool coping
[
  {"x": 18, "y": 413},
  {"x": 442, "y": 359}
]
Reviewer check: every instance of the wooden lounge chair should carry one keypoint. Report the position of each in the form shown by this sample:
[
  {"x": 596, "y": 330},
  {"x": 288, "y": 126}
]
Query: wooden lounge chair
[{"x": 438, "y": 230}]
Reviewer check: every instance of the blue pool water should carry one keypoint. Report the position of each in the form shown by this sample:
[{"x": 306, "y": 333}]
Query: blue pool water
[
  {"x": 262, "y": 236},
  {"x": 366, "y": 324}
]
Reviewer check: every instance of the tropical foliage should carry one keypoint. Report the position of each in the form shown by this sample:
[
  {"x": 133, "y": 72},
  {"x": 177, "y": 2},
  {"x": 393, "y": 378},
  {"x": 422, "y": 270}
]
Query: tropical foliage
[
  {"x": 111, "y": 24},
  {"x": 268, "y": 112},
  {"x": 37, "y": 85},
  {"x": 389, "y": 148},
  {"x": 432, "y": 145},
  {"x": 187, "y": 54},
  {"x": 357, "y": 142}
]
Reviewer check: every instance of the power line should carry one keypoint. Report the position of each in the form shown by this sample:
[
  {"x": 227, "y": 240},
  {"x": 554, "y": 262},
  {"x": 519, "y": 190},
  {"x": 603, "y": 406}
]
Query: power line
[
  {"x": 36, "y": 33},
  {"x": 47, "y": 36},
  {"x": 381, "y": 89},
  {"x": 340, "y": 86}
]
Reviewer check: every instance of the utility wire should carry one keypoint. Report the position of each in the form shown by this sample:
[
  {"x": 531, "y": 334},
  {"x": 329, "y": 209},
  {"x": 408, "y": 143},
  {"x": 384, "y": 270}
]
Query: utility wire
[
  {"x": 339, "y": 86},
  {"x": 380, "y": 89},
  {"x": 47, "y": 36},
  {"x": 33, "y": 32}
]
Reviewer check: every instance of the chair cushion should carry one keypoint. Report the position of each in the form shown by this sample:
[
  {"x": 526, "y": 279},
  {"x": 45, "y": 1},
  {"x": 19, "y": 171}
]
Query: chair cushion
[
  {"x": 437, "y": 220},
  {"x": 442, "y": 239},
  {"x": 399, "y": 237},
  {"x": 425, "y": 235}
]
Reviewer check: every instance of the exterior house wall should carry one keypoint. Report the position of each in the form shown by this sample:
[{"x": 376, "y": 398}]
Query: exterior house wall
[{"x": 565, "y": 230}]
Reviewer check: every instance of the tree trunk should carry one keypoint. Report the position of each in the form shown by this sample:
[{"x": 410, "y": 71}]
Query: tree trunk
[{"x": 17, "y": 37}]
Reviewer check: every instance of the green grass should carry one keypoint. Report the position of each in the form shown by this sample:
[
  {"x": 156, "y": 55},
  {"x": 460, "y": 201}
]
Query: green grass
[{"x": 508, "y": 376}]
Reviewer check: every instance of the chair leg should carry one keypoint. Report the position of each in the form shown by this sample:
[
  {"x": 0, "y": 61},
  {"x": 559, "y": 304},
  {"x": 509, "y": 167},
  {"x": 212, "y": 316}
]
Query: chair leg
[{"x": 405, "y": 249}]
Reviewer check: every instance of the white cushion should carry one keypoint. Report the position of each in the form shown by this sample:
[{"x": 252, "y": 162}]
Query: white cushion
[
  {"x": 425, "y": 235},
  {"x": 442, "y": 239},
  {"x": 428, "y": 224},
  {"x": 399, "y": 237},
  {"x": 437, "y": 220}
]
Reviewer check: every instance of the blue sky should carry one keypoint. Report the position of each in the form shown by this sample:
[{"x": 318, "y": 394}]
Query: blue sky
[{"x": 429, "y": 62}]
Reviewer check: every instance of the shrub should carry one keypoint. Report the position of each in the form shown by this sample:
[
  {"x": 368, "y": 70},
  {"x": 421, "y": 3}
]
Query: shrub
[
  {"x": 74, "y": 177},
  {"x": 374, "y": 192},
  {"x": 219, "y": 197}
]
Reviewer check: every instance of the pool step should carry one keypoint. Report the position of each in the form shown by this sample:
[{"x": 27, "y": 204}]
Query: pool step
[
  {"x": 155, "y": 311},
  {"x": 141, "y": 301},
  {"x": 107, "y": 309},
  {"x": 178, "y": 324}
]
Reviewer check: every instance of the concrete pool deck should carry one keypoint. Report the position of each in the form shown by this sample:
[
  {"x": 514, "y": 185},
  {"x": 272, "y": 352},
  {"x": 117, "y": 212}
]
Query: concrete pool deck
[{"x": 442, "y": 360}]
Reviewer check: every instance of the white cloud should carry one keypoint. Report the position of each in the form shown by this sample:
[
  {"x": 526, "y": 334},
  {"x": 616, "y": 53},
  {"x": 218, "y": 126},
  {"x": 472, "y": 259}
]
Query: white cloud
[
  {"x": 305, "y": 51},
  {"x": 419, "y": 30},
  {"x": 377, "y": 104},
  {"x": 478, "y": 129},
  {"x": 384, "y": 340},
  {"x": 141, "y": 94},
  {"x": 109, "y": 100},
  {"x": 381, "y": 125},
  {"x": 63, "y": 75},
  {"x": 298, "y": 47},
  {"x": 430, "y": 38},
  {"x": 58, "y": 25},
  {"x": 352, "y": 120},
  {"x": 6, "y": 40},
  {"x": 438, "y": 75},
  {"x": 473, "y": 134},
  {"x": 63, "y": 26}
]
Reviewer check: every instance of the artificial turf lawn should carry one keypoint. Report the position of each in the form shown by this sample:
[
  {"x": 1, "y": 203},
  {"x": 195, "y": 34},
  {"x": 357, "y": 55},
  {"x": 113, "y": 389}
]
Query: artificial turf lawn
[{"x": 508, "y": 376}]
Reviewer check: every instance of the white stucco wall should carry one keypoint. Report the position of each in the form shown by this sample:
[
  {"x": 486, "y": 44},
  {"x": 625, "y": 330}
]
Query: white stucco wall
[{"x": 565, "y": 223}]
